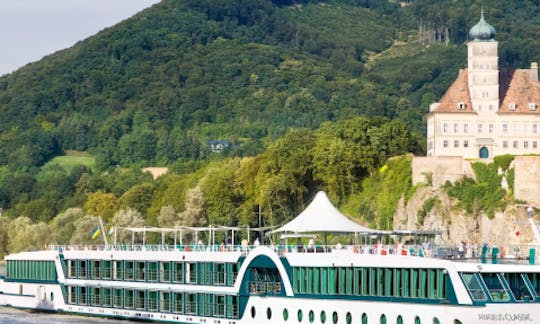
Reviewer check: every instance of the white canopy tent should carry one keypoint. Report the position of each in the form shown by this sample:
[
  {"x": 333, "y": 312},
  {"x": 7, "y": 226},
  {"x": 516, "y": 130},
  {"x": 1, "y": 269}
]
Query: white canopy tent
[{"x": 322, "y": 217}]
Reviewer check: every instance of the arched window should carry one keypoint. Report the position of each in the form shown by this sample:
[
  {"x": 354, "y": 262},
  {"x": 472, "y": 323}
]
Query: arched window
[{"x": 484, "y": 153}]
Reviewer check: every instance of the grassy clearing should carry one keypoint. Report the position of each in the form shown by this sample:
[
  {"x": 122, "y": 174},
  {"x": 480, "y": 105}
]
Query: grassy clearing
[{"x": 72, "y": 159}]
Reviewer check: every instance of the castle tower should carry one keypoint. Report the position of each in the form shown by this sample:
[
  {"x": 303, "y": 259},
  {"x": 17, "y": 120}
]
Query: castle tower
[{"x": 483, "y": 68}]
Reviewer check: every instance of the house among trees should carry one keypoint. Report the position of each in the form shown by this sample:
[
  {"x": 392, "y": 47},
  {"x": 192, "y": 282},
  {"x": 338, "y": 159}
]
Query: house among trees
[
  {"x": 486, "y": 112},
  {"x": 219, "y": 146}
]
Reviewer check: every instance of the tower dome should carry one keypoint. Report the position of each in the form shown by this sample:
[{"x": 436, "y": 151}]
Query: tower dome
[{"x": 482, "y": 30}]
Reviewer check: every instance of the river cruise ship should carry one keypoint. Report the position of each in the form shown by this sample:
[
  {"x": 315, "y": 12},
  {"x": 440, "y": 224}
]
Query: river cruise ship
[
  {"x": 268, "y": 284},
  {"x": 257, "y": 284}
]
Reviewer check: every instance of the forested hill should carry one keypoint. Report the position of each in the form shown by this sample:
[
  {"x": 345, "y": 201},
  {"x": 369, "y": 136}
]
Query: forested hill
[
  {"x": 156, "y": 88},
  {"x": 310, "y": 96}
]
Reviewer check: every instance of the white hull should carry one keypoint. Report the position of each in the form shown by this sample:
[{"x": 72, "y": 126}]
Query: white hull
[{"x": 38, "y": 297}]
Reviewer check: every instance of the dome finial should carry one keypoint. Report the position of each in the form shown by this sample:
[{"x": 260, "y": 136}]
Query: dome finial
[{"x": 482, "y": 30}]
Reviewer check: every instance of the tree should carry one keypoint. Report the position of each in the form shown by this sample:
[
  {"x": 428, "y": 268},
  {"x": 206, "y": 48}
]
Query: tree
[
  {"x": 63, "y": 225},
  {"x": 126, "y": 218},
  {"x": 139, "y": 197},
  {"x": 83, "y": 230},
  {"x": 195, "y": 213},
  {"x": 101, "y": 204}
]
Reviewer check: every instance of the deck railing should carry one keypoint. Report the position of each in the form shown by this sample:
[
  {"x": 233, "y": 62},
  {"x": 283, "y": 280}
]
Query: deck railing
[{"x": 442, "y": 252}]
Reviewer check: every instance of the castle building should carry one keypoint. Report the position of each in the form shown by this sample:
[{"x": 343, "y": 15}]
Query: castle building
[{"x": 486, "y": 113}]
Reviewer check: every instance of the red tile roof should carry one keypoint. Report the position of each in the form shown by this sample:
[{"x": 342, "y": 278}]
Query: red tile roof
[
  {"x": 516, "y": 87},
  {"x": 456, "y": 94},
  {"x": 522, "y": 90}
]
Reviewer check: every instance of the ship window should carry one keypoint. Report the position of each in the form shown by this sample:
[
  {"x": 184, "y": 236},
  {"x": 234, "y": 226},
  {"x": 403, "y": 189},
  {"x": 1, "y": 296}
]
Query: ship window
[
  {"x": 436, "y": 320},
  {"x": 364, "y": 318},
  {"x": 323, "y": 317},
  {"x": 383, "y": 319},
  {"x": 473, "y": 286},
  {"x": 253, "y": 312},
  {"x": 495, "y": 287},
  {"x": 534, "y": 278},
  {"x": 417, "y": 320},
  {"x": 311, "y": 316},
  {"x": 399, "y": 320},
  {"x": 285, "y": 314},
  {"x": 334, "y": 317},
  {"x": 269, "y": 313},
  {"x": 457, "y": 321},
  {"x": 518, "y": 286},
  {"x": 300, "y": 315}
]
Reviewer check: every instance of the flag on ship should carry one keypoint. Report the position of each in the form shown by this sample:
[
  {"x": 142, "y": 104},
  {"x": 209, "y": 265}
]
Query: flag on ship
[{"x": 96, "y": 232}]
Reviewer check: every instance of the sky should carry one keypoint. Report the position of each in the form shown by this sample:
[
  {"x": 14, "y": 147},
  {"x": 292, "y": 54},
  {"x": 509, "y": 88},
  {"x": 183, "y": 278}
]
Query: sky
[{"x": 31, "y": 29}]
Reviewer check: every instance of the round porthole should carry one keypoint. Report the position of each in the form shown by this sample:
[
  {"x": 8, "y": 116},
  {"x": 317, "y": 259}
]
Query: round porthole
[
  {"x": 417, "y": 320},
  {"x": 383, "y": 319},
  {"x": 364, "y": 318},
  {"x": 399, "y": 320},
  {"x": 269, "y": 313},
  {"x": 300, "y": 315},
  {"x": 285, "y": 314},
  {"x": 311, "y": 316},
  {"x": 253, "y": 312},
  {"x": 323, "y": 317},
  {"x": 334, "y": 317},
  {"x": 348, "y": 318}
]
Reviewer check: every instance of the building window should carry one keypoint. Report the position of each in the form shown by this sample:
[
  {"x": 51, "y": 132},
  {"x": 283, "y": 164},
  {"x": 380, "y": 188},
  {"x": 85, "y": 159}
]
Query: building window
[
  {"x": 491, "y": 128},
  {"x": 526, "y": 144},
  {"x": 535, "y": 128},
  {"x": 505, "y": 144},
  {"x": 456, "y": 128},
  {"x": 445, "y": 128},
  {"x": 505, "y": 128},
  {"x": 456, "y": 143},
  {"x": 532, "y": 106},
  {"x": 534, "y": 144},
  {"x": 515, "y": 128},
  {"x": 430, "y": 145},
  {"x": 445, "y": 143},
  {"x": 461, "y": 105},
  {"x": 512, "y": 106},
  {"x": 490, "y": 107},
  {"x": 465, "y": 128},
  {"x": 479, "y": 128},
  {"x": 525, "y": 129},
  {"x": 465, "y": 143},
  {"x": 515, "y": 145}
]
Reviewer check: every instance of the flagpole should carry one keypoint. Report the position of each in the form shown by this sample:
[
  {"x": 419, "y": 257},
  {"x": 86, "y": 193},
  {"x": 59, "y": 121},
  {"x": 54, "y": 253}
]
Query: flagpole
[{"x": 103, "y": 234}]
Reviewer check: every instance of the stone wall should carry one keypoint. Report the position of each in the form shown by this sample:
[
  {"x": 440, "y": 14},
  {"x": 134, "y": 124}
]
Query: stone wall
[
  {"x": 452, "y": 168},
  {"x": 527, "y": 179},
  {"x": 440, "y": 169}
]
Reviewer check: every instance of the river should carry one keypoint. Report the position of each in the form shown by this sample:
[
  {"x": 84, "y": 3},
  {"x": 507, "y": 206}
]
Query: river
[{"x": 17, "y": 316}]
